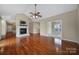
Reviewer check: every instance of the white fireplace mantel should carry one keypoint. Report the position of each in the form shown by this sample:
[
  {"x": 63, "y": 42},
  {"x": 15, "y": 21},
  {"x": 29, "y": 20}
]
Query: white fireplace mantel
[{"x": 18, "y": 31}]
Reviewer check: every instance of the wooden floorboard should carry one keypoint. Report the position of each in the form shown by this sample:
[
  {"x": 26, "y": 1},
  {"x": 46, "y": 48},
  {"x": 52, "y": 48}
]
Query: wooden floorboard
[{"x": 36, "y": 45}]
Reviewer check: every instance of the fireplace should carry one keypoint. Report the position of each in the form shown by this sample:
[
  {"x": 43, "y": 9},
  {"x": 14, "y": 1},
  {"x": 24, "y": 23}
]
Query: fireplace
[{"x": 23, "y": 30}]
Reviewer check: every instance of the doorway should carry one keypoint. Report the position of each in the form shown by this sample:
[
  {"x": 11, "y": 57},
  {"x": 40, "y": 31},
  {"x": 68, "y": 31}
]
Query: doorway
[
  {"x": 36, "y": 27},
  {"x": 11, "y": 29}
]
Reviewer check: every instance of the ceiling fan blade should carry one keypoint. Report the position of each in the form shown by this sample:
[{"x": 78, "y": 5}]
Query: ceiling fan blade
[
  {"x": 38, "y": 12},
  {"x": 40, "y": 15}
]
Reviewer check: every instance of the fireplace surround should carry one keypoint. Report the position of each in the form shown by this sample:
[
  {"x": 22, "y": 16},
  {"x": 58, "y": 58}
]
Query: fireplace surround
[{"x": 22, "y": 29}]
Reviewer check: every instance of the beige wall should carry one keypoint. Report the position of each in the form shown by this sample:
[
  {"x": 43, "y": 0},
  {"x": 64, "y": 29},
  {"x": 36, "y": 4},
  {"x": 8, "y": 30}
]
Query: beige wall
[
  {"x": 69, "y": 25},
  {"x": 36, "y": 27},
  {"x": 0, "y": 27},
  {"x": 43, "y": 28},
  {"x": 78, "y": 22},
  {"x": 31, "y": 27},
  {"x": 20, "y": 17}
]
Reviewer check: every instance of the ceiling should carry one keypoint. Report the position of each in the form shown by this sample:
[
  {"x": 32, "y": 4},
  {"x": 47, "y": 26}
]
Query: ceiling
[{"x": 47, "y": 10}]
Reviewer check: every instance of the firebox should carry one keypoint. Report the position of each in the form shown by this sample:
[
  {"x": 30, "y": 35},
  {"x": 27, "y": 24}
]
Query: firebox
[{"x": 23, "y": 30}]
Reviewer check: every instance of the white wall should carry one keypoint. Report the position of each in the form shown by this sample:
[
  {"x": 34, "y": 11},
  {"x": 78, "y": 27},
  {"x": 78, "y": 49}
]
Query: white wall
[{"x": 3, "y": 28}]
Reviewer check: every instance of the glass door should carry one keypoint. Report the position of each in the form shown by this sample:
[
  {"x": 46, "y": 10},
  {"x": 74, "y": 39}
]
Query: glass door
[{"x": 58, "y": 33}]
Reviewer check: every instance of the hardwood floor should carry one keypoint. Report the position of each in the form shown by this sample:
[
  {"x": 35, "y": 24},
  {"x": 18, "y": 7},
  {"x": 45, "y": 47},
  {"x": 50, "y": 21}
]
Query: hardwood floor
[{"x": 35, "y": 45}]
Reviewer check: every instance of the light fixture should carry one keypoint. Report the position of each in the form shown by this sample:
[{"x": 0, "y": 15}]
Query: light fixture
[{"x": 35, "y": 14}]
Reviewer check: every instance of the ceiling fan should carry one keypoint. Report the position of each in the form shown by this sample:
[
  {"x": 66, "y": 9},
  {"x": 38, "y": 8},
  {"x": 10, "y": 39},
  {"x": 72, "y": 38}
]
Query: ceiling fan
[{"x": 35, "y": 14}]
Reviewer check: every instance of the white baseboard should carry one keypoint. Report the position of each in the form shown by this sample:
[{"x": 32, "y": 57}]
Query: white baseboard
[
  {"x": 71, "y": 41},
  {"x": 43, "y": 35},
  {"x": 35, "y": 32}
]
